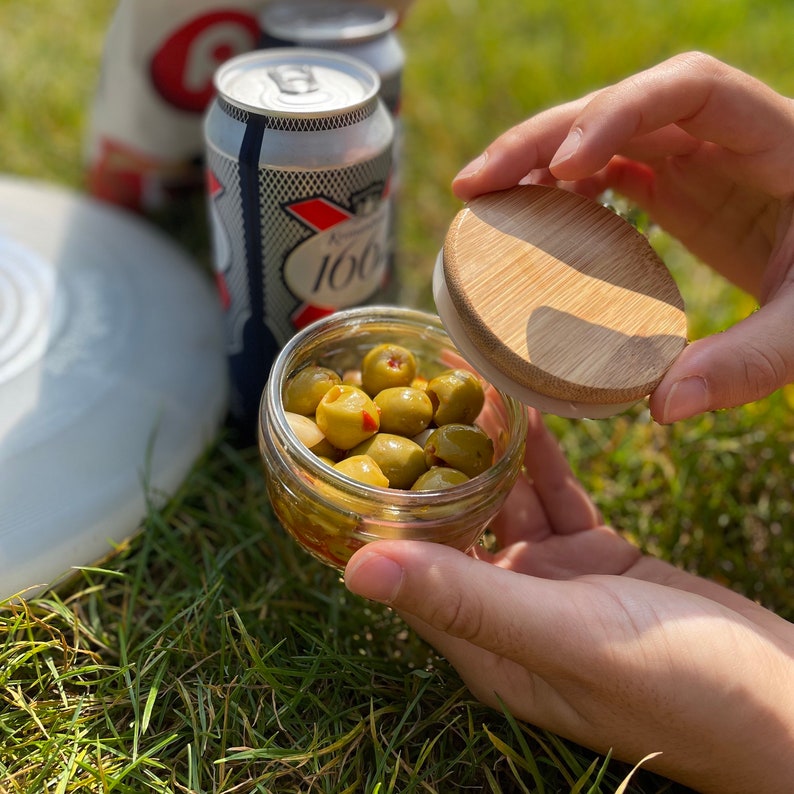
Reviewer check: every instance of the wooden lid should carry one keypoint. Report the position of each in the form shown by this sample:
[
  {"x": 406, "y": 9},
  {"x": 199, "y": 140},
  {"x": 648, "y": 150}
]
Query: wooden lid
[{"x": 562, "y": 297}]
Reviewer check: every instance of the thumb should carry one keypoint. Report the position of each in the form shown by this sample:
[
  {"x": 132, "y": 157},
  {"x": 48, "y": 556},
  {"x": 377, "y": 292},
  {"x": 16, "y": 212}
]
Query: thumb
[
  {"x": 747, "y": 362},
  {"x": 455, "y": 598}
]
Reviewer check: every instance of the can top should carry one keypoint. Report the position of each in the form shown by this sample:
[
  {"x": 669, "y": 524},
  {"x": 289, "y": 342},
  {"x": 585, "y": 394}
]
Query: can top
[
  {"x": 324, "y": 22},
  {"x": 294, "y": 81},
  {"x": 558, "y": 301}
]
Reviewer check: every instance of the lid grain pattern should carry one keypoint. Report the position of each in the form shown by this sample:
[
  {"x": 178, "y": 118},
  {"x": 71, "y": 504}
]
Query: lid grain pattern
[{"x": 563, "y": 295}]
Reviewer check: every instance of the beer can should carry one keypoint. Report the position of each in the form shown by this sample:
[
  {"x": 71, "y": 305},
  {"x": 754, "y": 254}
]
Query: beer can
[
  {"x": 299, "y": 159},
  {"x": 363, "y": 30},
  {"x": 358, "y": 29}
]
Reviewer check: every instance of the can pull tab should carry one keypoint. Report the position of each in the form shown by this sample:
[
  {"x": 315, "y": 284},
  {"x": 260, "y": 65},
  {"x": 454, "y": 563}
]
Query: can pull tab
[{"x": 294, "y": 79}]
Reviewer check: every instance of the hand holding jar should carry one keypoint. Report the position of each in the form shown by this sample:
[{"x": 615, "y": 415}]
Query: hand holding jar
[{"x": 577, "y": 632}]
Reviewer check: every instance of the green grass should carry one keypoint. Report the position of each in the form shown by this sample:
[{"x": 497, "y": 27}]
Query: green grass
[{"x": 209, "y": 653}]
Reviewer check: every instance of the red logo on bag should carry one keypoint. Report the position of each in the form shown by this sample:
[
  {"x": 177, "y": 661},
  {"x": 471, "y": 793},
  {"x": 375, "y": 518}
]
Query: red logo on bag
[{"x": 183, "y": 66}]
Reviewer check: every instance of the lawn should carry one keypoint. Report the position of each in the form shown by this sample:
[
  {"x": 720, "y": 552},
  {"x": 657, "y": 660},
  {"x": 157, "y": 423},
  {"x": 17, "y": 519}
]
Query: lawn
[{"x": 209, "y": 653}]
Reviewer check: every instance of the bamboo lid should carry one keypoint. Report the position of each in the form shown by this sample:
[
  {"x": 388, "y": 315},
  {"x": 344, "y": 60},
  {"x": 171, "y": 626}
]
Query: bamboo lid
[{"x": 558, "y": 301}]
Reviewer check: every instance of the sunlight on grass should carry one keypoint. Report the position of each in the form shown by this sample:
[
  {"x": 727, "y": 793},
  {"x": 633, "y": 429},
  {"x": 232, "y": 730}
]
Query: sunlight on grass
[{"x": 210, "y": 654}]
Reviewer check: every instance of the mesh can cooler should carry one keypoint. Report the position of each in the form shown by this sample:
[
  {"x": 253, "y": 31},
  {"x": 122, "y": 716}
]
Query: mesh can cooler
[{"x": 299, "y": 162}]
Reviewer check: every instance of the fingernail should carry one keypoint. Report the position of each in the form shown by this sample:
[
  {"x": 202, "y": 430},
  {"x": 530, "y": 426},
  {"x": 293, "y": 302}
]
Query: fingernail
[
  {"x": 688, "y": 397},
  {"x": 567, "y": 148},
  {"x": 473, "y": 167},
  {"x": 374, "y": 576}
]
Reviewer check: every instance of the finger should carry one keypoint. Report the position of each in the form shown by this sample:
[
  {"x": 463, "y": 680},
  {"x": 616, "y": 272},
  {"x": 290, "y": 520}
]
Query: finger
[
  {"x": 547, "y": 497},
  {"x": 567, "y": 505},
  {"x": 747, "y": 362},
  {"x": 702, "y": 96},
  {"x": 728, "y": 228},
  {"x": 522, "y": 517},
  {"x": 665, "y": 110},
  {"x": 522, "y": 154},
  {"x": 516, "y": 152},
  {"x": 500, "y": 611},
  {"x": 600, "y": 550}
]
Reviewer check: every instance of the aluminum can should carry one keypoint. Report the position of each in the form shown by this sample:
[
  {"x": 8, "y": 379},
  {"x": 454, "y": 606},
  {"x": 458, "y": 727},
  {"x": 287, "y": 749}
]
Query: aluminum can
[
  {"x": 299, "y": 160},
  {"x": 358, "y": 29},
  {"x": 363, "y": 30}
]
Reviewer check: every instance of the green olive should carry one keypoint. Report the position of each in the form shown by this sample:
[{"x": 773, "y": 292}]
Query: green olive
[
  {"x": 347, "y": 416},
  {"x": 439, "y": 477},
  {"x": 364, "y": 469},
  {"x": 305, "y": 389},
  {"x": 460, "y": 446},
  {"x": 404, "y": 410},
  {"x": 386, "y": 424},
  {"x": 387, "y": 365},
  {"x": 399, "y": 458},
  {"x": 457, "y": 396}
]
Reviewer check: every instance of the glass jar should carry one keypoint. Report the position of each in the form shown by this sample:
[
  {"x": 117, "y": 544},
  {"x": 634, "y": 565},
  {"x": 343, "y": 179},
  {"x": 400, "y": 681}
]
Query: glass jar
[{"x": 332, "y": 515}]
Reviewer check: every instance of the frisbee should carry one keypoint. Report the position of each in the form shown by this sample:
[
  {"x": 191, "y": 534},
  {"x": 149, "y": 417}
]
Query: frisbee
[{"x": 112, "y": 378}]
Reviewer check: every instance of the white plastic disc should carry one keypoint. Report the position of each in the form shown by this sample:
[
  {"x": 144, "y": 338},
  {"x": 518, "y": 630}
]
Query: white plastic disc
[{"x": 112, "y": 378}]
